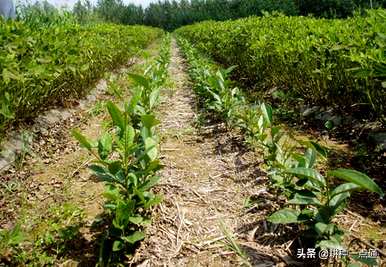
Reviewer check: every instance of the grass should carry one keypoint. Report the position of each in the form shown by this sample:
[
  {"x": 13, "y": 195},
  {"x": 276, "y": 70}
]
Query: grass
[{"x": 233, "y": 245}]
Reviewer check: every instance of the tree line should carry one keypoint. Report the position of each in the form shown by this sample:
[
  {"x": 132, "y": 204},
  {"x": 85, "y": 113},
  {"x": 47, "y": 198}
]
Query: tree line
[{"x": 172, "y": 14}]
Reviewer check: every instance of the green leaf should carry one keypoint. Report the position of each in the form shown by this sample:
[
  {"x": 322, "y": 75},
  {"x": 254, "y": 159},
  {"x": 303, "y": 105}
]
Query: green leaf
[
  {"x": 153, "y": 98},
  {"x": 134, "y": 100},
  {"x": 117, "y": 245},
  {"x": 267, "y": 112},
  {"x": 133, "y": 179},
  {"x": 140, "y": 80},
  {"x": 284, "y": 216},
  {"x": 343, "y": 188},
  {"x": 310, "y": 155},
  {"x": 230, "y": 69},
  {"x": 81, "y": 139},
  {"x": 116, "y": 115},
  {"x": 129, "y": 135},
  {"x": 115, "y": 166},
  {"x": 330, "y": 244},
  {"x": 113, "y": 195},
  {"x": 151, "y": 148},
  {"x": 323, "y": 151},
  {"x": 329, "y": 125},
  {"x": 309, "y": 173},
  {"x": 12, "y": 237},
  {"x": 358, "y": 178},
  {"x": 323, "y": 228},
  {"x": 5, "y": 106},
  {"x": 149, "y": 183},
  {"x": 149, "y": 121},
  {"x": 105, "y": 145},
  {"x": 366, "y": 260},
  {"x": 340, "y": 193},
  {"x": 153, "y": 166},
  {"x": 300, "y": 199},
  {"x": 136, "y": 220},
  {"x": 152, "y": 202},
  {"x": 8, "y": 76},
  {"x": 102, "y": 173},
  {"x": 134, "y": 237},
  {"x": 302, "y": 162},
  {"x": 306, "y": 215}
]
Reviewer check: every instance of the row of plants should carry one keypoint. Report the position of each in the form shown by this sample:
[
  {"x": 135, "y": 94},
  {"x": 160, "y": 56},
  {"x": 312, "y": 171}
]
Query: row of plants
[
  {"x": 41, "y": 66},
  {"x": 314, "y": 194},
  {"x": 325, "y": 62},
  {"x": 127, "y": 161}
]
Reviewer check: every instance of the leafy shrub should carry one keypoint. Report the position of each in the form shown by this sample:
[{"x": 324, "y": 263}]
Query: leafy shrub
[
  {"x": 323, "y": 61},
  {"x": 52, "y": 64},
  {"x": 291, "y": 165},
  {"x": 126, "y": 160}
]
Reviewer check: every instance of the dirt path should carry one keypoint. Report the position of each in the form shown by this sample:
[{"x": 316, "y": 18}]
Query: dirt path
[{"x": 207, "y": 177}]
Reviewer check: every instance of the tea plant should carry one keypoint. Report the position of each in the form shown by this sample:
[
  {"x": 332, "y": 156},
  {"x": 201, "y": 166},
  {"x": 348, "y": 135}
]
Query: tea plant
[
  {"x": 126, "y": 160},
  {"x": 317, "y": 201},
  {"x": 48, "y": 65},
  {"x": 314, "y": 201},
  {"x": 325, "y": 62},
  {"x": 215, "y": 89}
]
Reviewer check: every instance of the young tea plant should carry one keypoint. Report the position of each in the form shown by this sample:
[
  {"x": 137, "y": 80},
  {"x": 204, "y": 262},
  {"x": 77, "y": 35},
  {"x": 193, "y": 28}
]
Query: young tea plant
[
  {"x": 126, "y": 160},
  {"x": 314, "y": 200},
  {"x": 214, "y": 87}
]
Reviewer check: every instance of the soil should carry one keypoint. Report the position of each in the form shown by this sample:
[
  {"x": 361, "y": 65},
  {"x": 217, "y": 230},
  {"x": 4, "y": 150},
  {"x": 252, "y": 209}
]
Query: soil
[{"x": 207, "y": 177}]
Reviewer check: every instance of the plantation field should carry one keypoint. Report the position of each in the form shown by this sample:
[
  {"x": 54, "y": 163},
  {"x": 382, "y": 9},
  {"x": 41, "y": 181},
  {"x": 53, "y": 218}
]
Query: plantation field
[
  {"x": 334, "y": 62},
  {"x": 51, "y": 65},
  {"x": 131, "y": 146}
]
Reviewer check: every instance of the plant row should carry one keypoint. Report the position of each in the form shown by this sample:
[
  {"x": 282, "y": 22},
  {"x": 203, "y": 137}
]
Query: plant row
[
  {"x": 49, "y": 65},
  {"x": 313, "y": 199},
  {"x": 127, "y": 161},
  {"x": 328, "y": 62}
]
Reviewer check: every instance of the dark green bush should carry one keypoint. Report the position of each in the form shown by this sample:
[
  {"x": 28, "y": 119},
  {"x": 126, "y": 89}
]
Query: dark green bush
[
  {"x": 53, "y": 64},
  {"x": 328, "y": 62}
]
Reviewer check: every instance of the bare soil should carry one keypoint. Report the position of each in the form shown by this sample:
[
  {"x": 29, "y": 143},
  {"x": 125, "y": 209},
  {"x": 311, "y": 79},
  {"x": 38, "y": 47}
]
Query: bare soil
[{"x": 207, "y": 177}]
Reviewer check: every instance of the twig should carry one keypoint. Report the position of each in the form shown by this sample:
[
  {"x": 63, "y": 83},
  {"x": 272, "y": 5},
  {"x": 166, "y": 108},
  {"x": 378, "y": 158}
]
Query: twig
[
  {"x": 199, "y": 196},
  {"x": 168, "y": 184},
  {"x": 352, "y": 226},
  {"x": 251, "y": 236},
  {"x": 352, "y": 213},
  {"x": 208, "y": 242},
  {"x": 86, "y": 162},
  {"x": 251, "y": 208},
  {"x": 180, "y": 224},
  {"x": 290, "y": 243},
  {"x": 170, "y": 149}
]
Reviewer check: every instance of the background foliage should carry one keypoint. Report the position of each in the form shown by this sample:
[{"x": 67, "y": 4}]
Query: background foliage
[
  {"x": 328, "y": 62},
  {"x": 173, "y": 14}
]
